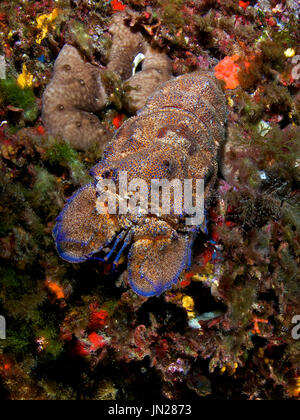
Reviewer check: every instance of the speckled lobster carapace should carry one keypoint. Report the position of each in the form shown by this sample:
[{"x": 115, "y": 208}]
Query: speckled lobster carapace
[{"x": 178, "y": 134}]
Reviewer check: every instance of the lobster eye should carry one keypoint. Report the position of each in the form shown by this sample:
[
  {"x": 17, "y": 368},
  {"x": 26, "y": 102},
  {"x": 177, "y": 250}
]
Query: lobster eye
[
  {"x": 166, "y": 163},
  {"x": 110, "y": 174},
  {"x": 106, "y": 174}
]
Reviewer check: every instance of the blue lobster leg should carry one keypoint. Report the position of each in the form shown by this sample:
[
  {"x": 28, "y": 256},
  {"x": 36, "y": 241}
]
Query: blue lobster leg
[
  {"x": 203, "y": 226},
  {"x": 119, "y": 238},
  {"x": 127, "y": 241}
]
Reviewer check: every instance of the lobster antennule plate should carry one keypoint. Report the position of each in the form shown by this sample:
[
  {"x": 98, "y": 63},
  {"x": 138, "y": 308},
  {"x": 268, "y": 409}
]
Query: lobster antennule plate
[
  {"x": 80, "y": 231},
  {"x": 154, "y": 266}
]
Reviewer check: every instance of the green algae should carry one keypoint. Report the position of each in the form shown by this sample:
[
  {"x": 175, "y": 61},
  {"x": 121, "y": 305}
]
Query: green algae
[
  {"x": 63, "y": 154},
  {"x": 12, "y": 94}
]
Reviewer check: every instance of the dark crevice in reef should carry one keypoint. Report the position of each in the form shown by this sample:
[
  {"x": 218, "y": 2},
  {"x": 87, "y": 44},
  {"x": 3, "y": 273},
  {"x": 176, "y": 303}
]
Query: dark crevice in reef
[
  {"x": 169, "y": 316},
  {"x": 204, "y": 301},
  {"x": 135, "y": 380}
]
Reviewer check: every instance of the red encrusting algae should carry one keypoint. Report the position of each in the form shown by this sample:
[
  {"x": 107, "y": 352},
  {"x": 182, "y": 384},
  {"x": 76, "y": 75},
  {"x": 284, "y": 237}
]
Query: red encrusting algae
[
  {"x": 117, "y": 6},
  {"x": 228, "y": 71}
]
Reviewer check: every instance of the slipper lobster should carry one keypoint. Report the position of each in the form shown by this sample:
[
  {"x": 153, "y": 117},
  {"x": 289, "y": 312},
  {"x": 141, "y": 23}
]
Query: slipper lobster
[{"x": 178, "y": 134}]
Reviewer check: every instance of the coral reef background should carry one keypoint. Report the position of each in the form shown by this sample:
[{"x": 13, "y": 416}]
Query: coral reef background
[{"x": 77, "y": 331}]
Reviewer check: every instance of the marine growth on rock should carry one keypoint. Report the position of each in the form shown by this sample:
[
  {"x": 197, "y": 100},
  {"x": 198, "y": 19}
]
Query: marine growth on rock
[
  {"x": 156, "y": 66},
  {"x": 73, "y": 96},
  {"x": 77, "y": 92}
]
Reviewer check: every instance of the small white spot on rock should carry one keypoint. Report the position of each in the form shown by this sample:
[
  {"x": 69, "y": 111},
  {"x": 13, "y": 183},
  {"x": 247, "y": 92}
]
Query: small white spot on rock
[
  {"x": 137, "y": 60},
  {"x": 263, "y": 128},
  {"x": 263, "y": 175}
]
